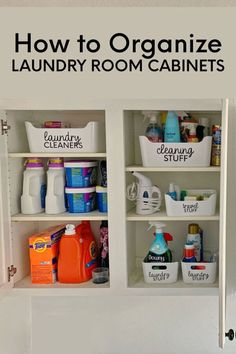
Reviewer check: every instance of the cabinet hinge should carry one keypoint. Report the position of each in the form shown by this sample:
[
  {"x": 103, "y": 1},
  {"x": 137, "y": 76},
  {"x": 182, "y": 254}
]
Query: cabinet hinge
[
  {"x": 11, "y": 272},
  {"x": 4, "y": 127}
]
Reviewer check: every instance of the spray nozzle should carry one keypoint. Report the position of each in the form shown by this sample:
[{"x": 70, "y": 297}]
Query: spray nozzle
[
  {"x": 158, "y": 226},
  {"x": 152, "y": 115}
]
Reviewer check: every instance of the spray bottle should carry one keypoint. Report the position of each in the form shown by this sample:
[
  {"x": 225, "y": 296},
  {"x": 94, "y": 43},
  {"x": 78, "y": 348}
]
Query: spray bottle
[
  {"x": 159, "y": 250},
  {"x": 153, "y": 131}
]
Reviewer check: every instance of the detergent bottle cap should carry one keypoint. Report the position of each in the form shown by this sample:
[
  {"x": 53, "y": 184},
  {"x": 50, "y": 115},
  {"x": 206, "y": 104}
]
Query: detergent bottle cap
[
  {"x": 70, "y": 229},
  {"x": 172, "y": 188},
  {"x": 158, "y": 226}
]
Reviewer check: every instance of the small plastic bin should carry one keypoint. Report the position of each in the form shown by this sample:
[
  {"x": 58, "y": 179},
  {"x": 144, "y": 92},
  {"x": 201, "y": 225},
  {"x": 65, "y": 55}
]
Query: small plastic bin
[
  {"x": 199, "y": 273},
  {"x": 192, "y": 208},
  {"x": 155, "y": 273},
  {"x": 91, "y": 138},
  {"x": 175, "y": 154}
]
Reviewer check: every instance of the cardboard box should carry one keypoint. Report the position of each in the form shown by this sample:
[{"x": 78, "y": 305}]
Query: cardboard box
[{"x": 43, "y": 249}]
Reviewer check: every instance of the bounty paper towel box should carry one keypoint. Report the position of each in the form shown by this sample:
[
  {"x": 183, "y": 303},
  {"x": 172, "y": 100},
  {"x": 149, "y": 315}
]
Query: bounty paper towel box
[{"x": 43, "y": 248}]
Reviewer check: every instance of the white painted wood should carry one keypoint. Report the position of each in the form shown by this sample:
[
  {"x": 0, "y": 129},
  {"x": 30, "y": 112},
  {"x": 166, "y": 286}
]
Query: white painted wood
[
  {"x": 223, "y": 225},
  {"x": 94, "y": 215},
  {"x": 127, "y": 239},
  {"x": 140, "y": 168},
  {"x": 162, "y": 216},
  {"x": 5, "y": 228},
  {"x": 62, "y": 154}
]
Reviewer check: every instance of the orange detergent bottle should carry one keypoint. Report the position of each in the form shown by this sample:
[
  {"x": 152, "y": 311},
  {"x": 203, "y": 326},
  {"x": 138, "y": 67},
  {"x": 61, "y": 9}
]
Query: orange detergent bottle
[{"x": 77, "y": 254}]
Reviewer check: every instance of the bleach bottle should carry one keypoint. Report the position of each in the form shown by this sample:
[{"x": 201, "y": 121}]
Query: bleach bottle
[
  {"x": 55, "y": 198},
  {"x": 159, "y": 250},
  {"x": 34, "y": 187}
]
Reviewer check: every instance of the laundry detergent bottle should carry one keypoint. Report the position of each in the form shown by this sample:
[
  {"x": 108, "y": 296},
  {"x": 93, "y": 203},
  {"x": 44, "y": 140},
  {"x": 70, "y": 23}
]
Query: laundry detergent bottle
[
  {"x": 159, "y": 250},
  {"x": 90, "y": 249},
  {"x": 55, "y": 198},
  {"x": 34, "y": 187},
  {"x": 77, "y": 254}
]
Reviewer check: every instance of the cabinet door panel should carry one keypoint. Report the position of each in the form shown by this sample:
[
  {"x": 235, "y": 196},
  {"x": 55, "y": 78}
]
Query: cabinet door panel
[
  {"x": 223, "y": 224},
  {"x": 5, "y": 226}
]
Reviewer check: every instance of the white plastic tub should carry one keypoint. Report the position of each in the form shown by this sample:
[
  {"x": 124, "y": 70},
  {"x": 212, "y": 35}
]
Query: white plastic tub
[
  {"x": 192, "y": 208},
  {"x": 91, "y": 138},
  {"x": 156, "y": 273},
  {"x": 175, "y": 154},
  {"x": 199, "y": 273}
]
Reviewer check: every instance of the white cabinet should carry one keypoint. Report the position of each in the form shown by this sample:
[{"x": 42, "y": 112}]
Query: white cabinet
[{"x": 127, "y": 231}]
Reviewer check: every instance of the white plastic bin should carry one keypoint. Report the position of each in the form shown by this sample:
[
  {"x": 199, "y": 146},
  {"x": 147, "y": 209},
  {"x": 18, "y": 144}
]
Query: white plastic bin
[
  {"x": 192, "y": 208},
  {"x": 156, "y": 273},
  {"x": 91, "y": 138},
  {"x": 199, "y": 273},
  {"x": 175, "y": 154}
]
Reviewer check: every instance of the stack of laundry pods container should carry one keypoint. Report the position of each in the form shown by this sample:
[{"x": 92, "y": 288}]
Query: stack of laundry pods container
[{"x": 81, "y": 177}]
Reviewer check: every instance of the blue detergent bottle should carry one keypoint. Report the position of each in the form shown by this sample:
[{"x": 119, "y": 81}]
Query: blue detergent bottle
[{"x": 172, "y": 129}]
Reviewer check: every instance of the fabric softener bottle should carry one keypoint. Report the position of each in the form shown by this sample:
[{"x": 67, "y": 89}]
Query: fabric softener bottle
[{"x": 159, "y": 250}]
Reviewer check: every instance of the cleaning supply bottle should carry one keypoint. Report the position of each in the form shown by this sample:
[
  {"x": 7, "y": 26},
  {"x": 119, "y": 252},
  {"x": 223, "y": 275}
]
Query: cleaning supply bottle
[
  {"x": 55, "y": 197},
  {"x": 153, "y": 131},
  {"x": 104, "y": 250},
  {"x": 77, "y": 254},
  {"x": 172, "y": 192},
  {"x": 34, "y": 187},
  {"x": 192, "y": 137},
  {"x": 195, "y": 237},
  {"x": 172, "y": 128},
  {"x": 159, "y": 250},
  {"x": 189, "y": 252}
]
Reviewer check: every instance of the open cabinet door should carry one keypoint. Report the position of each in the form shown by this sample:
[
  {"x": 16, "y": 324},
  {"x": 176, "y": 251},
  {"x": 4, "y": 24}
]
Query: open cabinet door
[
  {"x": 223, "y": 222},
  {"x": 5, "y": 224}
]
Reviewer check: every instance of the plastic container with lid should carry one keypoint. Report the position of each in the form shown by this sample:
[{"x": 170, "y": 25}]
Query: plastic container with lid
[
  {"x": 81, "y": 200},
  {"x": 81, "y": 174},
  {"x": 55, "y": 198},
  {"x": 101, "y": 199},
  {"x": 34, "y": 187}
]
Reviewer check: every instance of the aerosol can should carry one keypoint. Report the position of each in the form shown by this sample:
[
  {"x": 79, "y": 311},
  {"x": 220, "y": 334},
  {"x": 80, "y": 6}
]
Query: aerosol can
[{"x": 146, "y": 195}]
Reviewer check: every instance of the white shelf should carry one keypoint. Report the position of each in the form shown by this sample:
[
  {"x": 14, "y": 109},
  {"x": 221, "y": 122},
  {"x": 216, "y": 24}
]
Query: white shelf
[
  {"x": 86, "y": 288},
  {"x": 61, "y": 154},
  {"x": 161, "y": 216},
  {"x": 138, "y": 286},
  {"x": 94, "y": 215},
  {"x": 140, "y": 168}
]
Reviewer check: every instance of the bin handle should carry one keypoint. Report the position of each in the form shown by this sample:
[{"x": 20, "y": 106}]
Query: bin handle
[{"x": 159, "y": 267}]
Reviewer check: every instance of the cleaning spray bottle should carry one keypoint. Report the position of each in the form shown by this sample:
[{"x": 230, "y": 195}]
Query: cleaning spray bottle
[
  {"x": 159, "y": 250},
  {"x": 146, "y": 195},
  {"x": 153, "y": 131}
]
